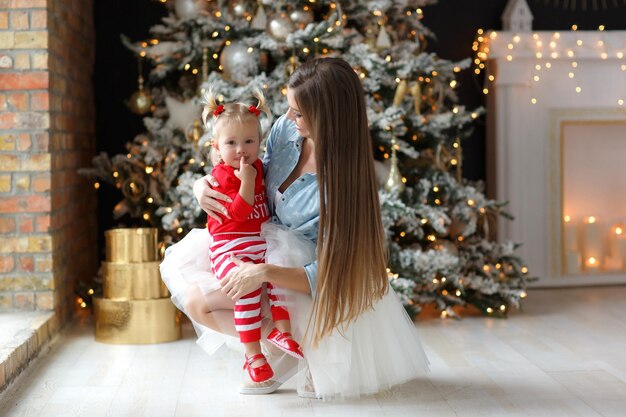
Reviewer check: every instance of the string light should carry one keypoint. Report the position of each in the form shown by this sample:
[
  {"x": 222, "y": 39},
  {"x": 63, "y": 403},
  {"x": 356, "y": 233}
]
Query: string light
[{"x": 96, "y": 185}]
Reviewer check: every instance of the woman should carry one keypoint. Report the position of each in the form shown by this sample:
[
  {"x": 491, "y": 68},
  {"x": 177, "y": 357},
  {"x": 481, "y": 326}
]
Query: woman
[{"x": 358, "y": 339}]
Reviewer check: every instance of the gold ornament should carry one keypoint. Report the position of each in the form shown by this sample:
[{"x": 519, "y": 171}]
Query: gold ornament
[
  {"x": 140, "y": 102},
  {"x": 134, "y": 188},
  {"x": 413, "y": 88},
  {"x": 394, "y": 181},
  {"x": 400, "y": 92},
  {"x": 416, "y": 92},
  {"x": 291, "y": 66},
  {"x": 194, "y": 131}
]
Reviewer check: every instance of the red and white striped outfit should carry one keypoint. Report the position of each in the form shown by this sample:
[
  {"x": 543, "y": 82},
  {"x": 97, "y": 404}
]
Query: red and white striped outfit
[{"x": 239, "y": 236}]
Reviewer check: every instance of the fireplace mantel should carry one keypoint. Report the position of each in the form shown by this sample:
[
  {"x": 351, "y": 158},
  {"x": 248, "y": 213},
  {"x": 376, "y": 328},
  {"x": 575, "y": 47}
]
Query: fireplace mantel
[{"x": 539, "y": 81}]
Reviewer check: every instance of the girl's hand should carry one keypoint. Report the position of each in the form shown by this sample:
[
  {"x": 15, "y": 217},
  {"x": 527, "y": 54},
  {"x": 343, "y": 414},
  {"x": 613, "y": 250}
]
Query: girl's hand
[
  {"x": 247, "y": 278},
  {"x": 246, "y": 172},
  {"x": 209, "y": 198}
]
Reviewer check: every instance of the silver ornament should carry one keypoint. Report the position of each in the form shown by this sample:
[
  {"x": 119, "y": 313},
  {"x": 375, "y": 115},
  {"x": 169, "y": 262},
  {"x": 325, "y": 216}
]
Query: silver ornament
[
  {"x": 239, "y": 8},
  {"x": 301, "y": 16},
  {"x": 239, "y": 62},
  {"x": 394, "y": 180},
  {"x": 280, "y": 26},
  {"x": 186, "y": 9}
]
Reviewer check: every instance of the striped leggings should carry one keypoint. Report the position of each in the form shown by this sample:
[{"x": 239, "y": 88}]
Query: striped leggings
[{"x": 248, "y": 248}]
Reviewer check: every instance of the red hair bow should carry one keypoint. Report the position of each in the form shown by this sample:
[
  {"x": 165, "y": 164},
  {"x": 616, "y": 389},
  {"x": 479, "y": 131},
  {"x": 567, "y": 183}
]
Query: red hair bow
[
  {"x": 219, "y": 110},
  {"x": 254, "y": 110}
]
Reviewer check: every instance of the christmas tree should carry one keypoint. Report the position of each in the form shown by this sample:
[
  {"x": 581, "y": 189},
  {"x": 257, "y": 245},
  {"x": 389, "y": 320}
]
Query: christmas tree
[{"x": 440, "y": 227}]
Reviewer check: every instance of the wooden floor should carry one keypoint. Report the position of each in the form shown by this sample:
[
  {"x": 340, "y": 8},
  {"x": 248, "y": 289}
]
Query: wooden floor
[{"x": 564, "y": 355}]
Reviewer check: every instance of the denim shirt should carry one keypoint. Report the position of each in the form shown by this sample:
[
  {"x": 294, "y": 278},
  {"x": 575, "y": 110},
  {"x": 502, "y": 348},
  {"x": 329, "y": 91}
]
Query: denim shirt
[{"x": 299, "y": 207}]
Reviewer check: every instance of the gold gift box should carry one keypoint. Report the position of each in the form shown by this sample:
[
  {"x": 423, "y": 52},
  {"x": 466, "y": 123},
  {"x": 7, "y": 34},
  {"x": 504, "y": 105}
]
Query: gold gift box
[
  {"x": 136, "y": 321},
  {"x": 132, "y": 245},
  {"x": 136, "y": 281}
]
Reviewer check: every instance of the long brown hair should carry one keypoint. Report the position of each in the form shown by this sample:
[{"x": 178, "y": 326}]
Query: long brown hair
[{"x": 351, "y": 256}]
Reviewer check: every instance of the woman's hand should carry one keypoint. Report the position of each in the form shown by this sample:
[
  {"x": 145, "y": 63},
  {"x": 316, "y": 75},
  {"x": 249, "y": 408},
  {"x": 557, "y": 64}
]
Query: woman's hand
[
  {"x": 247, "y": 278},
  {"x": 209, "y": 198}
]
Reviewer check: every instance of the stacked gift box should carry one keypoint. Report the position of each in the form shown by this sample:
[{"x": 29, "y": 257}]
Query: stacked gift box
[{"x": 135, "y": 307}]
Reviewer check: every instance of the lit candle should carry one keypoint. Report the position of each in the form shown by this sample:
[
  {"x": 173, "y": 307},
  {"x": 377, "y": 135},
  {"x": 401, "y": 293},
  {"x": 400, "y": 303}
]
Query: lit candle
[
  {"x": 573, "y": 259},
  {"x": 614, "y": 260},
  {"x": 570, "y": 235},
  {"x": 573, "y": 262},
  {"x": 592, "y": 243}
]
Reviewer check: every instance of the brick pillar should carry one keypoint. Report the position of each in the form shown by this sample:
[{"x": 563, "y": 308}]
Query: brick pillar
[{"x": 47, "y": 132}]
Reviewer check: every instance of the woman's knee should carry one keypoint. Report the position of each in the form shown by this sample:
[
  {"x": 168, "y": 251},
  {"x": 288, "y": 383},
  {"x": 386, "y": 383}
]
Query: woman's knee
[{"x": 195, "y": 304}]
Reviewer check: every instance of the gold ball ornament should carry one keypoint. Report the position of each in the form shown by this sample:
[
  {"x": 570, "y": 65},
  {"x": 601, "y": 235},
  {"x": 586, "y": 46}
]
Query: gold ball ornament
[
  {"x": 194, "y": 131},
  {"x": 134, "y": 189},
  {"x": 140, "y": 102},
  {"x": 280, "y": 26}
]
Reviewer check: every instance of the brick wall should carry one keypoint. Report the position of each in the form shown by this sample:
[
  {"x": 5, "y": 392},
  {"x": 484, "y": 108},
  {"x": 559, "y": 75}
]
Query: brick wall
[{"x": 47, "y": 212}]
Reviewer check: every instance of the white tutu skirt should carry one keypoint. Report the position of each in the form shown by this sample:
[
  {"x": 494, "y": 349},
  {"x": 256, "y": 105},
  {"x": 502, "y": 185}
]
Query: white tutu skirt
[{"x": 375, "y": 352}]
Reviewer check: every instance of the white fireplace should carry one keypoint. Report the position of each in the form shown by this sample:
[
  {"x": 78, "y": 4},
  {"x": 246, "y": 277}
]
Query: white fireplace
[{"x": 557, "y": 150}]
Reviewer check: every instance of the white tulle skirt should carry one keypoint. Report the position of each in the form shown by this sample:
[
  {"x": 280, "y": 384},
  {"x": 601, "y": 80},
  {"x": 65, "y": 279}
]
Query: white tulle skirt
[{"x": 377, "y": 351}]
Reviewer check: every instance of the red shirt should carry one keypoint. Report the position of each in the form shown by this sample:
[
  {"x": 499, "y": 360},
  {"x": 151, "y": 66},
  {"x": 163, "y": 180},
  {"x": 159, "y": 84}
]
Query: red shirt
[{"x": 244, "y": 218}]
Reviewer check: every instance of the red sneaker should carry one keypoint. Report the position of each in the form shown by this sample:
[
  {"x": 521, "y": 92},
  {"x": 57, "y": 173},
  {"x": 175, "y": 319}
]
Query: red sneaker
[
  {"x": 260, "y": 373},
  {"x": 284, "y": 342}
]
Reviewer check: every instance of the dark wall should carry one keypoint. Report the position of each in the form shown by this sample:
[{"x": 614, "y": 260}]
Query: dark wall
[{"x": 454, "y": 22}]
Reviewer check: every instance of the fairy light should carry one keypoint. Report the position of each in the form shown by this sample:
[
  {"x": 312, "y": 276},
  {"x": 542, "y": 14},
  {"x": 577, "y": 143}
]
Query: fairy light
[
  {"x": 524, "y": 270},
  {"x": 533, "y": 100},
  {"x": 620, "y": 102},
  {"x": 116, "y": 174},
  {"x": 489, "y": 310},
  {"x": 150, "y": 200},
  {"x": 149, "y": 170}
]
